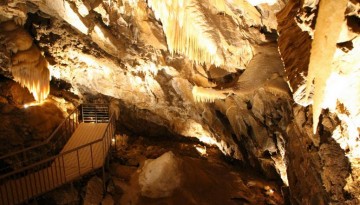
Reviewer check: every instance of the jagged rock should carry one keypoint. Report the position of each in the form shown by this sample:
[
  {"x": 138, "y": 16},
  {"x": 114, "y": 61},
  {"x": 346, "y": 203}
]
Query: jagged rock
[
  {"x": 334, "y": 161},
  {"x": 294, "y": 46},
  {"x": 303, "y": 165}
]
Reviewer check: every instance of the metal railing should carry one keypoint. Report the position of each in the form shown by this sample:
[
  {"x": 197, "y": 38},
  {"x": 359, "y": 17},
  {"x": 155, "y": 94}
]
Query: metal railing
[
  {"x": 48, "y": 147},
  {"x": 95, "y": 113},
  {"x": 30, "y": 181}
]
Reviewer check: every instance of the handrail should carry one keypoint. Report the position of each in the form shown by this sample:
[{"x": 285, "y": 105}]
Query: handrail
[
  {"x": 44, "y": 142},
  {"x": 75, "y": 112},
  {"x": 112, "y": 118},
  {"x": 32, "y": 154},
  {"x": 42, "y": 176},
  {"x": 94, "y": 113}
]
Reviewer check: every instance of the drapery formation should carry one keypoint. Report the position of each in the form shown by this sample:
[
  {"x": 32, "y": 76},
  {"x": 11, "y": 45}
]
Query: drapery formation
[
  {"x": 28, "y": 66},
  {"x": 197, "y": 28}
]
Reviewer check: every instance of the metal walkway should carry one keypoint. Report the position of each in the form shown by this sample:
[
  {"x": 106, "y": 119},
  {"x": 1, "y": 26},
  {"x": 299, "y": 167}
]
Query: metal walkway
[{"x": 85, "y": 151}]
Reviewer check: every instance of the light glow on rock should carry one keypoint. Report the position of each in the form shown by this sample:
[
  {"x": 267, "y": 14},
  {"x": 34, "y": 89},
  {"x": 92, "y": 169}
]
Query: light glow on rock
[
  {"x": 28, "y": 66},
  {"x": 54, "y": 72},
  {"x": 73, "y": 18},
  {"x": 99, "y": 32},
  {"x": 95, "y": 67},
  {"x": 34, "y": 77},
  {"x": 201, "y": 150},
  {"x": 257, "y": 2},
  {"x": 327, "y": 31},
  {"x": 35, "y": 103},
  {"x": 186, "y": 29},
  {"x": 208, "y": 140},
  {"x": 83, "y": 10},
  {"x": 201, "y": 94}
]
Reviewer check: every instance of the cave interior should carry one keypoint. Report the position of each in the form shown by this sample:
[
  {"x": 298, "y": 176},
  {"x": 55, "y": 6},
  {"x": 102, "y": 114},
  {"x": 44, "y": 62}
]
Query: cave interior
[{"x": 183, "y": 102}]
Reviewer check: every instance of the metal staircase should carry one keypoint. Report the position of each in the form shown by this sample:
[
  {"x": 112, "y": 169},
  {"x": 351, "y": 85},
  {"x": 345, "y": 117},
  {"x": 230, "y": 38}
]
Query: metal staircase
[{"x": 78, "y": 146}]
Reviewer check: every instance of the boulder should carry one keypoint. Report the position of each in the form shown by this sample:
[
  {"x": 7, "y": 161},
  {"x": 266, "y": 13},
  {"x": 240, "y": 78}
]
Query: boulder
[{"x": 161, "y": 176}]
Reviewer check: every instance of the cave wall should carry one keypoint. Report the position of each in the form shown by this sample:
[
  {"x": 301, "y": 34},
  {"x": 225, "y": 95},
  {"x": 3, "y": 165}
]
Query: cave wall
[{"x": 325, "y": 162}]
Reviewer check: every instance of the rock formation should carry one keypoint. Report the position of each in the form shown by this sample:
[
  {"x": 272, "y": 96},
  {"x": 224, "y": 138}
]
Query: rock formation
[
  {"x": 28, "y": 66},
  {"x": 328, "y": 154},
  {"x": 254, "y": 78}
]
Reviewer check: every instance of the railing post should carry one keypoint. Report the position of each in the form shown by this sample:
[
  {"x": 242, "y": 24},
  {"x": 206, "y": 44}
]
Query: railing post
[
  {"x": 58, "y": 170},
  {"x": 67, "y": 128},
  {"x": 8, "y": 197},
  {"x": 77, "y": 117},
  {"x": 103, "y": 167},
  {"x": 9, "y": 192},
  {"x": 32, "y": 177},
  {"x": 16, "y": 188},
  {"x": 82, "y": 112},
  {"x": 78, "y": 160},
  {"x": 63, "y": 167},
  {"x": 73, "y": 124},
  {"x": 113, "y": 126},
  {"x": 52, "y": 174},
  {"x": 92, "y": 158},
  {"x": 48, "y": 178},
  {"x": 42, "y": 178}
]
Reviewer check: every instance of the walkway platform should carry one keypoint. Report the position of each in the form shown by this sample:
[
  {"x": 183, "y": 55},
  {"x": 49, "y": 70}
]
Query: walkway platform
[{"x": 86, "y": 158}]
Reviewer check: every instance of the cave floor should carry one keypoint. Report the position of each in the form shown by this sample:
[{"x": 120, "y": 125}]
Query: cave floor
[{"x": 210, "y": 178}]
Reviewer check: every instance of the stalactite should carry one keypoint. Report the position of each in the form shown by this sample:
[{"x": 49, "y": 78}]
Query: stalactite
[
  {"x": 35, "y": 77},
  {"x": 29, "y": 67},
  {"x": 327, "y": 31},
  {"x": 31, "y": 55},
  {"x": 187, "y": 30},
  {"x": 201, "y": 94}
]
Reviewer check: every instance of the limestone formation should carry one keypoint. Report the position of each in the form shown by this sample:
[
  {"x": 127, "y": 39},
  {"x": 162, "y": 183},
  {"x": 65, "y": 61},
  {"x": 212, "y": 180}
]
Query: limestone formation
[
  {"x": 273, "y": 84},
  {"x": 322, "y": 79},
  {"x": 28, "y": 66}
]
